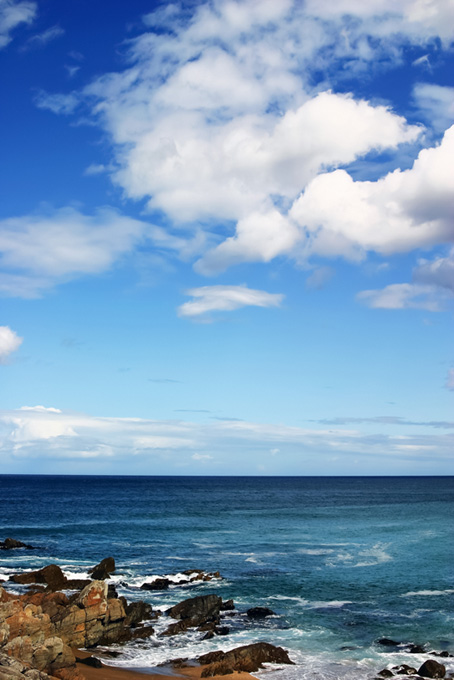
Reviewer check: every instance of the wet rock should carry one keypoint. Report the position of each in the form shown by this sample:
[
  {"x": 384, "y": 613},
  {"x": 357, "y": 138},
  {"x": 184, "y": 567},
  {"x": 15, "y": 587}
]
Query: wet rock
[
  {"x": 157, "y": 584},
  {"x": 12, "y": 544},
  {"x": 103, "y": 570},
  {"x": 198, "y": 609},
  {"x": 416, "y": 649},
  {"x": 432, "y": 669},
  {"x": 228, "y": 605},
  {"x": 259, "y": 612},
  {"x": 76, "y": 584},
  {"x": 222, "y": 630},
  {"x": 404, "y": 669},
  {"x": 51, "y": 575},
  {"x": 91, "y": 661},
  {"x": 387, "y": 642},
  {"x": 249, "y": 658},
  {"x": 209, "y": 635},
  {"x": 385, "y": 673},
  {"x": 137, "y": 612}
]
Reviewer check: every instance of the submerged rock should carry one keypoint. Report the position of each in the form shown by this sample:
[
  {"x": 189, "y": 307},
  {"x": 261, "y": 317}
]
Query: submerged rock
[
  {"x": 259, "y": 612},
  {"x": 12, "y": 544}
]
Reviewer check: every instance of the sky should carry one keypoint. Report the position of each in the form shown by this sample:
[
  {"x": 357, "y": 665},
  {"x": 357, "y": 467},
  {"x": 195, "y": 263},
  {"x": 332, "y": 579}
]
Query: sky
[{"x": 227, "y": 237}]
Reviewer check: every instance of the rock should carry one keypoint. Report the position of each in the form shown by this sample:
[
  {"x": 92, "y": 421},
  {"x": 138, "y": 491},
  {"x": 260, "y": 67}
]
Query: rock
[
  {"x": 90, "y": 661},
  {"x": 157, "y": 584},
  {"x": 416, "y": 649},
  {"x": 103, "y": 570},
  {"x": 12, "y": 544},
  {"x": 76, "y": 584},
  {"x": 222, "y": 630},
  {"x": 249, "y": 658},
  {"x": 403, "y": 669},
  {"x": 228, "y": 605},
  {"x": 137, "y": 612},
  {"x": 51, "y": 575},
  {"x": 198, "y": 609},
  {"x": 385, "y": 673},
  {"x": 386, "y": 642},
  {"x": 432, "y": 669},
  {"x": 259, "y": 612}
]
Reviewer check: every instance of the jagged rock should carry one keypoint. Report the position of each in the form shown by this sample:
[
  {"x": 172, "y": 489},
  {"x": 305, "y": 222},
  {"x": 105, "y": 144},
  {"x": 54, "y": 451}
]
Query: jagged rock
[
  {"x": 157, "y": 584},
  {"x": 386, "y": 642},
  {"x": 416, "y": 649},
  {"x": 228, "y": 605},
  {"x": 385, "y": 673},
  {"x": 12, "y": 544},
  {"x": 249, "y": 658},
  {"x": 198, "y": 609},
  {"x": 103, "y": 570},
  {"x": 432, "y": 669},
  {"x": 77, "y": 583},
  {"x": 222, "y": 630},
  {"x": 404, "y": 669},
  {"x": 137, "y": 612},
  {"x": 259, "y": 612},
  {"x": 51, "y": 575}
]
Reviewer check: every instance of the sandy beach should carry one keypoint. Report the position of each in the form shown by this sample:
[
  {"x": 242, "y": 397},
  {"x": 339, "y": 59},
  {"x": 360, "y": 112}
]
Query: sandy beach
[{"x": 115, "y": 673}]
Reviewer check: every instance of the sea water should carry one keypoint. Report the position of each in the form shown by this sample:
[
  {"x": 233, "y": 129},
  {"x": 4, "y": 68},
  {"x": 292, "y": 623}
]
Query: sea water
[{"x": 342, "y": 562}]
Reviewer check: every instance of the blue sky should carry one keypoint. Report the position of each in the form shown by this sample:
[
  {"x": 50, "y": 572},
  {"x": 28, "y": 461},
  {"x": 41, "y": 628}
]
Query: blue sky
[{"x": 226, "y": 237}]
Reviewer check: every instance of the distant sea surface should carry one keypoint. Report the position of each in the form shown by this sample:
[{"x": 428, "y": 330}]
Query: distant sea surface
[{"x": 342, "y": 562}]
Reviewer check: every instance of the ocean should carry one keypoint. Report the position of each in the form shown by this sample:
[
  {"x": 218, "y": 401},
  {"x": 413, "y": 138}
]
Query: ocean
[{"x": 342, "y": 562}]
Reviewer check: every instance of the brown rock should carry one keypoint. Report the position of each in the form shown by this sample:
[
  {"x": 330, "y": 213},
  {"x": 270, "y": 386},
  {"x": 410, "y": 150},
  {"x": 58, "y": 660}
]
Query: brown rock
[
  {"x": 198, "y": 609},
  {"x": 249, "y": 658},
  {"x": 103, "y": 569},
  {"x": 51, "y": 575}
]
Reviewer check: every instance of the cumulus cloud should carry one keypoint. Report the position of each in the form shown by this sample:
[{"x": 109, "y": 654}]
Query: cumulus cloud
[
  {"x": 38, "y": 251},
  {"x": 9, "y": 343},
  {"x": 216, "y": 122},
  {"x": 400, "y": 212},
  {"x": 437, "y": 272},
  {"x": 226, "y": 298},
  {"x": 12, "y": 14}
]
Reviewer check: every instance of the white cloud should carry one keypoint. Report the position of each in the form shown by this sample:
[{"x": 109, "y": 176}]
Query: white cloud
[
  {"x": 9, "y": 343},
  {"x": 398, "y": 213},
  {"x": 226, "y": 298},
  {"x": 48, "y": 434},
  {"x": 12, "y": 14},
  {"x": 38, "y": 251},
  {"x": 404, "y": 296}
]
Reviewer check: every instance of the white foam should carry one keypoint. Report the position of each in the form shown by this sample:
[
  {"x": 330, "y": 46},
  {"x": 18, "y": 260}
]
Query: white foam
[{"x": 428, "y": 593}]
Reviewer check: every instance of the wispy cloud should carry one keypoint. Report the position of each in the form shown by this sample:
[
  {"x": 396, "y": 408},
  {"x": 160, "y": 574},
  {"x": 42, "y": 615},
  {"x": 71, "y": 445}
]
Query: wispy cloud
[
  {"x": 12, "y": 14},
  {"x": 226, "y": 299},
  {"x": 42, "y": 39},
  {"x": 450, "y": 379},
  {"x": 163, "y": 380},
  {"x": 404, "y": 296}
]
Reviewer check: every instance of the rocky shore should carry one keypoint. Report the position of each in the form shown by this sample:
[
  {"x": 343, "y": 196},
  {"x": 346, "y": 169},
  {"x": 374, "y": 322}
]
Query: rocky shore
[{"x": 42, "y": 630}]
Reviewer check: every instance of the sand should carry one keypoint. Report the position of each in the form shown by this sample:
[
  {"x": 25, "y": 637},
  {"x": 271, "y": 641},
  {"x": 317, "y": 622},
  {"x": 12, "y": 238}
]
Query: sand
[{"x": 116, "y": 673}]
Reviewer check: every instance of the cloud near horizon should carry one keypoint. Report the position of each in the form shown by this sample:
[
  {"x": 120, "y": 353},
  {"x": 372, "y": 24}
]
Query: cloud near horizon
[{"x": 49, "y": 434}]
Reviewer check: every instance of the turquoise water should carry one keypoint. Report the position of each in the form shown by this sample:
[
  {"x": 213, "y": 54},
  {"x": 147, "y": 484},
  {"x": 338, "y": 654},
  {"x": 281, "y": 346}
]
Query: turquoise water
[{"x": 342, "y": 561}]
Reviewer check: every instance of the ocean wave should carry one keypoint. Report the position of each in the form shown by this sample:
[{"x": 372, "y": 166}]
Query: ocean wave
[{"x": 428, "y": 593}]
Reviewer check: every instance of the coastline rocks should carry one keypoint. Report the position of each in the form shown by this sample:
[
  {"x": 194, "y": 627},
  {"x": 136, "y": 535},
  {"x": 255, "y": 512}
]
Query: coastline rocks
[
  {"x": 51, "y": 575},
  {"x": 200, "y": 612},
  {"x": 12, "y": 544},
  {"x": 432, "y": 669},
  {"x": 249, "y": 658},
  {"x": 259, "y": 612},
  {"x": 157, "y": 584},
  {"x": 103, "y": 570}
]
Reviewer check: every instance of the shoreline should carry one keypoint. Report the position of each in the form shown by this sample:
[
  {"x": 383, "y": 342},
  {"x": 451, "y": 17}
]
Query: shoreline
[{"x": 107, "y": 672}]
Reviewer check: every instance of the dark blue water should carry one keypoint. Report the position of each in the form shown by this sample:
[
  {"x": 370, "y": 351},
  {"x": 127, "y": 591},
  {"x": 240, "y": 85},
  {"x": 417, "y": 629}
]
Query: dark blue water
[{"x": 342, "y": 561}]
